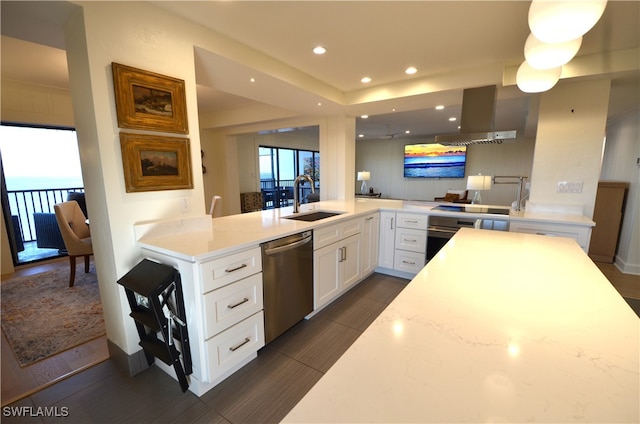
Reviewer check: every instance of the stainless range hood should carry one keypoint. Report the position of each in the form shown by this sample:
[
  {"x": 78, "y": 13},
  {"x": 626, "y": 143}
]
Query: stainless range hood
[{"x": 476, "y": 120}]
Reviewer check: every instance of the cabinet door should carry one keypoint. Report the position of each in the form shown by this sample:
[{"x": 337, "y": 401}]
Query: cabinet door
[
  {"x": 370, "y": 242},
  {"x": 349, "y": 266},
  {"x": 326, "y": 275},
  {"x": 387, "y": 239}
]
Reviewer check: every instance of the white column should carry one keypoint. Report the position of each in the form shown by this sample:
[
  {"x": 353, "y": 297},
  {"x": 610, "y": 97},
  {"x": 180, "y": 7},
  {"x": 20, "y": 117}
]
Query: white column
[
  {"x": 337, "y": 160},
  {"x": 570, "y": 142}
]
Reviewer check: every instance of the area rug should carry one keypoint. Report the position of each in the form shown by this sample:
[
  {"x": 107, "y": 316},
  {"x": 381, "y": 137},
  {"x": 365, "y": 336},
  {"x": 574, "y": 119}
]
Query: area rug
[{"x": 43, "y": 316}]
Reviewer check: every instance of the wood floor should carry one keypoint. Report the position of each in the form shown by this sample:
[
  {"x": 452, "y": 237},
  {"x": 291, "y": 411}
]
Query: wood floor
[
  {"x": 263, "y": 391},
  {"x": 18, "y": 382}
]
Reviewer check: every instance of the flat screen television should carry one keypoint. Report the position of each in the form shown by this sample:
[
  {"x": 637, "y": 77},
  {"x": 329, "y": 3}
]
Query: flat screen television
[{"x": 434, "y": 161}]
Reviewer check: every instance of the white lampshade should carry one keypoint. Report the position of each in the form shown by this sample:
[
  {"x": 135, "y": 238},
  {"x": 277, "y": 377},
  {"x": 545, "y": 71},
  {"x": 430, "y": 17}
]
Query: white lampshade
[
  {"x": 563, "y": 20},
  {"x": 541, "y": 55},
  {"x": 479, "y": 182},
  {"x": 364, "y": 176},
  {"x": 532, "y": 80}
]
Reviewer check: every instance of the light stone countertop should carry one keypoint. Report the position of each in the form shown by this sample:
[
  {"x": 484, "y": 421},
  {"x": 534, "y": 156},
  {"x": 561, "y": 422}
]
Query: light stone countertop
[
  {"x": 493, "y": 329},
  {"x": 203, "y": 238}
]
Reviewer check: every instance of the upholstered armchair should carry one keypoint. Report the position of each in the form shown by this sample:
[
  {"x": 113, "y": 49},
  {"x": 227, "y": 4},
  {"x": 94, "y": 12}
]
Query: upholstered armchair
[{"x": 75, "y": 233}]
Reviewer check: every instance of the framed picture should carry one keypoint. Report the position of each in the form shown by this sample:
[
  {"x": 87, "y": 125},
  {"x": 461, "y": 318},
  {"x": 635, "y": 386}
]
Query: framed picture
[
  {"x": 149, "y": 101},
  {"x": 154, "y": 163}
]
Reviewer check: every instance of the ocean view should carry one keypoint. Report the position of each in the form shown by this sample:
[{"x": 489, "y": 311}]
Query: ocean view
[{"x": 40, "y": 183}]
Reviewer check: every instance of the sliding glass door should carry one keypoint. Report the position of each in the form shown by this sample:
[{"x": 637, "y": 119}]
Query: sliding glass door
[{"x": 279, "y": 167}]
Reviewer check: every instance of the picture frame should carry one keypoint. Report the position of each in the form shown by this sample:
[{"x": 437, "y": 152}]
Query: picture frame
[
  {"x": 153, "y": 163},
  {"x": 149, "y": 101}
]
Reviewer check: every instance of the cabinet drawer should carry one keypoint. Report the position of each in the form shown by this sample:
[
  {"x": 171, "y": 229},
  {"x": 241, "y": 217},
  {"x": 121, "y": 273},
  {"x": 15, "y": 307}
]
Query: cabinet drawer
[
  {"x": 232, "y": 346},
  {"x": 327, "y": 235},
  {"x": 232, "y": 303},
  {"x": 409, "y": 220},
  {"x": 222, "y": 271},
  {"x": 413, "y": 240},
  {"x": 411, "y": 262},
  {"x": 580, "y": 234}
]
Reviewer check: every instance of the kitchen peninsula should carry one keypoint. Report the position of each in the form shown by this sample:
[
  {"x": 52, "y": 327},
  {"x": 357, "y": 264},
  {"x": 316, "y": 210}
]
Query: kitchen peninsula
[
  {"x": 494, "y": 329},
  {"x": 220, "y": 264}
]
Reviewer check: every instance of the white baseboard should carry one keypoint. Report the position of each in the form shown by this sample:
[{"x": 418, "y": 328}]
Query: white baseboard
[{"x": 626, "y": 268}]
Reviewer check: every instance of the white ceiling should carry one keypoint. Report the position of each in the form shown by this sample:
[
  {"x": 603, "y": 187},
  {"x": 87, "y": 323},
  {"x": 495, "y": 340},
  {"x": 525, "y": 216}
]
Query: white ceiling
[{"x": 373, "y": 38}]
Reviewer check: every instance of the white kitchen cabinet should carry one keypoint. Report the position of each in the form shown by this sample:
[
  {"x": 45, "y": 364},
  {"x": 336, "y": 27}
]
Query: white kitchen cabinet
[
  {"x": 403, "y": 242},
  {"x": 370, "y": 243},
  {"x": 224, "y": 304},
  {"x": 336, "y": 266},
  {"x": 580, "y": 233},
  {"x": 387, "y": 239}
]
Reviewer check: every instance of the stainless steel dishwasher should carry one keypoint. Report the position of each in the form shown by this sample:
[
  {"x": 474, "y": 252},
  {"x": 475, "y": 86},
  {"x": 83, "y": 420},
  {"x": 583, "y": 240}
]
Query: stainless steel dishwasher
[{"x": 287, "y": 272}]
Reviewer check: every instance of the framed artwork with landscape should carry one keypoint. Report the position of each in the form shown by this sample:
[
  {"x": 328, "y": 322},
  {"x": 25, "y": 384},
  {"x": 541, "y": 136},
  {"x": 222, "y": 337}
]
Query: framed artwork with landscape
[
  {"x": 149, "y": 101},
  {"x": 154, "y": 163}
]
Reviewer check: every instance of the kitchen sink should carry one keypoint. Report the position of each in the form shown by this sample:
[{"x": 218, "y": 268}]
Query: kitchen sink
[{"x": 313, "y": 216}]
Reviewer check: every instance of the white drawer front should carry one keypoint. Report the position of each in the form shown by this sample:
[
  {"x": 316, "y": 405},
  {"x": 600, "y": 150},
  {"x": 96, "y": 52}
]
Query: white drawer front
[
  {"x": 580, "y": 234},
  {"x": 413, "y": 240},
  {"x": 232, "y": 346},
  {"x": 408, "y": 220},
  {"x": 222, "y": 271},
  {"x": 351, "y": 228},
  {"x": 411, "y": 262},
  {"x": 327, "y": 235},
  {"x": 231, "y": 304}
]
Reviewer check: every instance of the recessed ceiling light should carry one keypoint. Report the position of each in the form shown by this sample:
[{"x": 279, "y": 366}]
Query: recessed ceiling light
[
  {"x": 410, "y": 70},
  {"x": 393, "y": 110},
  {"x": 319, "y": 50},
  {"x": 365, "y": 80},
  {"x": 319, "y": 104},
  {"x": 364, "y": 116},
  {"x": 252, "y": 79},
  {"x": 453, "y": 118},
  {"x": 439, "y": 107},
  {"x": 407, "y": 132},
  {"x": 360, "y": 135}
]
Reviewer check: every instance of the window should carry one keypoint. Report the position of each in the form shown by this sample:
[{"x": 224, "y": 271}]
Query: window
[
  {"x": 40, "y": 166},
  {"x": 279, "y": 167}
]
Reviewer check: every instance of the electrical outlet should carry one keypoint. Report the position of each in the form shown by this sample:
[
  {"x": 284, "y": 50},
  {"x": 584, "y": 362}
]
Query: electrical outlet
[{"x": 185, "y": 205}]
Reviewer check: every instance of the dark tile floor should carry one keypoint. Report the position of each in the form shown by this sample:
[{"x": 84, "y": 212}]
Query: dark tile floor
[{"x": 261, "y": 392}]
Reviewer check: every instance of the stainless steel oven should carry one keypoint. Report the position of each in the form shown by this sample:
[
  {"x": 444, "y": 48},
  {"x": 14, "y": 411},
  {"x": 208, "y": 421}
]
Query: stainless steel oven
[{"x": 442, "y": 228}]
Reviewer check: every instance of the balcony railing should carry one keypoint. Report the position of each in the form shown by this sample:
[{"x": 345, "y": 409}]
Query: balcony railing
[
  {"x": 27, "y": 206},
  {"x": 276, "y": 194}
]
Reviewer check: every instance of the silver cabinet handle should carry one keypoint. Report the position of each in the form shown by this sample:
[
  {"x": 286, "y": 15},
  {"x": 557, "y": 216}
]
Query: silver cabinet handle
[
  {"x": 238, "y": 346},
  {"x": 546, "y": 234},
  {"x": 344, "y": 249},
  {"x": 411, "y": 240},
  {"x": 235, "y": 305},
  {"x": 236, "y": 268},
  {"x": 412, "y": 221},
  {"x": 408, "y": 263},
  {"x": 392, "y": 223},
  {"x": 368, "y": 218}
]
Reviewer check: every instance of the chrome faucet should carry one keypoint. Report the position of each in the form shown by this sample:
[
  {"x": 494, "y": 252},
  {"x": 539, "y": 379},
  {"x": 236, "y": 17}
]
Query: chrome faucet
[
  {"x": 296, "y": 203},
  {"x": 521, "y": 183}
]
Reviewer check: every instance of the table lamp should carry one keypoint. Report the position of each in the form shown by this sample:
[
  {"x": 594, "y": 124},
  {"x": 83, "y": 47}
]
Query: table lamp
[
  {"x": 364, "y": 176},
  {"x": 478, "y": 182}
]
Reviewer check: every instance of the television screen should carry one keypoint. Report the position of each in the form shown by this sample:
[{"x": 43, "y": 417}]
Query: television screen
[{"x": 434, "y": 161}]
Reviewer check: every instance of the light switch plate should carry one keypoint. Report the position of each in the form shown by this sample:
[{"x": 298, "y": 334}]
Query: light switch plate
[{"x": 569, "y": 187}]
